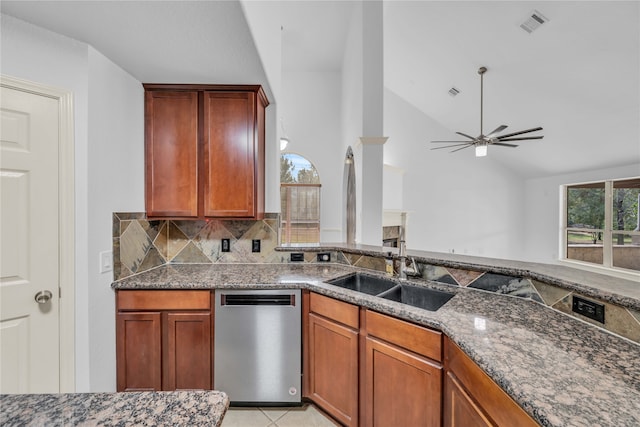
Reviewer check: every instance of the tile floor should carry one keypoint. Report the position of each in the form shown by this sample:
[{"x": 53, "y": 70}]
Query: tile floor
[{"x": 303, "y": 416}]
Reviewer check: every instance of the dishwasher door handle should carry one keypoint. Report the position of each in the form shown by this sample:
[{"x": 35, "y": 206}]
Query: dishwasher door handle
[{"x": 257, "y": 299}]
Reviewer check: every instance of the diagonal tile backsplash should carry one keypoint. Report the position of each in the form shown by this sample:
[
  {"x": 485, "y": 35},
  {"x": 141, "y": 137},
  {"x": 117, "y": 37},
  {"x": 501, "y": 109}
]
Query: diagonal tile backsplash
[{"x": 140, "y": 244}]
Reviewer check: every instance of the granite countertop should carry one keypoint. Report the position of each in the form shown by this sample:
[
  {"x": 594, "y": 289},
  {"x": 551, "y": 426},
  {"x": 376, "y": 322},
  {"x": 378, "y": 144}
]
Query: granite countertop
[
  {"x": 562, "y": 371},
  {"x": 192, "y": 408}
]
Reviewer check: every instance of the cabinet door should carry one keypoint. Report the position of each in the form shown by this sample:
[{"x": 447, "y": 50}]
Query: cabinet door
[
  {"x": 187, "y": 351},
  {"x": 171, "y": 153},
  {"x": 333, "y": 369},
  {"x": 230, "y": 155},
  {"x": 401, "y": 388},
  {"x": 459, "y": 409},
  {"x": 138, "y": 351}
]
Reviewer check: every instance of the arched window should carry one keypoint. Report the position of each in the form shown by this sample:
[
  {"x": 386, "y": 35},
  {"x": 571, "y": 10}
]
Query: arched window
[{"x": 299, "y": 200}]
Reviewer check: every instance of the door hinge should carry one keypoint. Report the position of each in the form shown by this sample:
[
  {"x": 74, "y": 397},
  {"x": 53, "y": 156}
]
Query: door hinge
[{"x": 59, "y": 292}]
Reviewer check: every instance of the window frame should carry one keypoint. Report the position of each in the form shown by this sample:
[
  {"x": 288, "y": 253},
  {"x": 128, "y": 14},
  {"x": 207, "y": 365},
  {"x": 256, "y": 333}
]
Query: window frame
[
  {"x": 608, "y": 232},
  {"x": 283, "y": 229}
]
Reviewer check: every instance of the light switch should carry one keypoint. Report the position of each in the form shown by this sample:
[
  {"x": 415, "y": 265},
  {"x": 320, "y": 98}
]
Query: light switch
[{"x": 106, "y": 261}]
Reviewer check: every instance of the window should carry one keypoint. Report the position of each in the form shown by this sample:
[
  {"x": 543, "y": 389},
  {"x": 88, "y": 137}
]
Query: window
[
  {"x": 299, "y": 201},
  {"x": 602, "y": 223}
]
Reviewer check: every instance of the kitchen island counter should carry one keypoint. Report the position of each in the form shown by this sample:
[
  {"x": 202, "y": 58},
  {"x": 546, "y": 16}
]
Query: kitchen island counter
[
  {"x": 192, "y": 408},
  {"x": 560, "y": 370}
]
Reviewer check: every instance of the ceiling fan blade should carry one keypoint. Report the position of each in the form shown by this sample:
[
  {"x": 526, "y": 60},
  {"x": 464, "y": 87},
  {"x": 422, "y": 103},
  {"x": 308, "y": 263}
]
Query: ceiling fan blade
[
  {"x": 449, "y": 146},
  {"x": 521, "y": 139},
  {"x": 462, "y": 148},
  {"x": 465, "y": 135},
  {"x": 440, "y": 142},
  {"x": 497, "y": 130},
  {"x": 503, "y": 144},
  {"x": 519, "y": 133}
]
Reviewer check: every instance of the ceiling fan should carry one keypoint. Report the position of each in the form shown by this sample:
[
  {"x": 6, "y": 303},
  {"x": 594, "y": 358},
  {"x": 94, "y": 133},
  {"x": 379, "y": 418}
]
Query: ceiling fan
[{"x": 482, "y": 141}]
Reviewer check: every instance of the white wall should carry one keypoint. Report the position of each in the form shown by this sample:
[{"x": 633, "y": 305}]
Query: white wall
[
  {"x": 311, "y": 112},
  {"x": 108, "y": 123},
  {"x": 542, "y": 209},
  {"x": 116, "y": 184},
  {"x": 455, "y": 201}
]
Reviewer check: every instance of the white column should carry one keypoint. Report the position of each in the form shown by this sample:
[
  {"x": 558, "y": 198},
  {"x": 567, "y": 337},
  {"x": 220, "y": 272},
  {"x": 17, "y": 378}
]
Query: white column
[
  {"x": 372, "y": 170},
  {"x": 372, "y": 123}
]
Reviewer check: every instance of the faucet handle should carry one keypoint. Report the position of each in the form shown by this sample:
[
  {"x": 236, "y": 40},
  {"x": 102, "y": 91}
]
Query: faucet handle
[{"x": 412, "y": 270}]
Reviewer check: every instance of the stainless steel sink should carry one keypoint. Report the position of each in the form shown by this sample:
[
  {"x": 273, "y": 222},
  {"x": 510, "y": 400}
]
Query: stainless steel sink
[
  {"x": 370, "y": 285},
  {"x": 425, "y": 298}
]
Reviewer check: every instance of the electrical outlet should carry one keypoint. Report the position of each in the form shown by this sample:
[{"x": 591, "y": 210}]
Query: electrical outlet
[
  {"x": 590, "y": 309},
  {"x": 297, "y": 256},
  {"x": 226, "y": 245},
  {"x": 106, "y": 261},
  {"x": 255, "y": 245},
  {"x": 324, "y": 257}
]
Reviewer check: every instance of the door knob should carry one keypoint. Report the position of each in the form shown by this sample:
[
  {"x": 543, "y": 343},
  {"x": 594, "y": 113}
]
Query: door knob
[{"x": 43, "y": 297}]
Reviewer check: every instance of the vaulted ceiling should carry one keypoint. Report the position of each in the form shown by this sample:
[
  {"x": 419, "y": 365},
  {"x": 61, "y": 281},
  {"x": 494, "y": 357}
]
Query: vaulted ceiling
[{"x": 578, "y": 75}]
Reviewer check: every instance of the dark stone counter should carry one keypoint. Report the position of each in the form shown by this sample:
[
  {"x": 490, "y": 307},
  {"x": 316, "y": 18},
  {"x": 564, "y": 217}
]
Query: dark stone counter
[{"x": 179, "y": 408}]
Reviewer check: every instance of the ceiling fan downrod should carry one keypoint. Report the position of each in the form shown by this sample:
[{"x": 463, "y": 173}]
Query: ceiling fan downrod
[{"x": 481, "y": 71}]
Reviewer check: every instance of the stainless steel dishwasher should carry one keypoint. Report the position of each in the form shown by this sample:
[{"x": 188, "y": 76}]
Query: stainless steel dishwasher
[{"x": 257, "y": 346}]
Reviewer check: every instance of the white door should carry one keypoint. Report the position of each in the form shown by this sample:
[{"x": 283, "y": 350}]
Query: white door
[{"x": 29, "y": 255}]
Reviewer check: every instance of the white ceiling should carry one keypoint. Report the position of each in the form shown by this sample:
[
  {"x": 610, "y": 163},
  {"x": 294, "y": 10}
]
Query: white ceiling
[{"x": 578, "y": 76}]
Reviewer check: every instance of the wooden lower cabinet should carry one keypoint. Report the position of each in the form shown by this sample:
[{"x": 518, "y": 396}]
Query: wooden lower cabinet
[
  {"x": 333, "y": 363},
  {"x": 402, "y": 373},
  {"x": 402, "y": 389},
  {"x": 187, "y": 352},
  {"x": 139, "y": 352},
  {"x": 473, "y": 399},
  {"x": 164, "y": 340},
  {"x": 460, "y": 409},
  {"x": 330, "y": 353},
  {"x": 368, "y": 369}
]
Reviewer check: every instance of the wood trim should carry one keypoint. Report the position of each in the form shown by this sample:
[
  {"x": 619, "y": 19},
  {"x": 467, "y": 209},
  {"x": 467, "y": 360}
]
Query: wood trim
[
  {"x": 418, "y": 339},
  {"x": 497, "y": 404},
  {"x": 213, "y": 336},
  {"x": 339, "y": 311},
  {"x": 140, "y": 300},
  {"x": 306, "y": 389},
  {"x": 202, "y": 87},
  {"x": 362, "y": 368}
]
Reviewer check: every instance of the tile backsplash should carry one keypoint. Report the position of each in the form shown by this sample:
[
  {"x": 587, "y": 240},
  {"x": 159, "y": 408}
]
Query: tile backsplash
[{"x": 140, "y": 244}]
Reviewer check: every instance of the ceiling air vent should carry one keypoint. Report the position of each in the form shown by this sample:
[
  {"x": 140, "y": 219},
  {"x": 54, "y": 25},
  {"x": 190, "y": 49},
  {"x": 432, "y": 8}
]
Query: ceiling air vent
[
  {"x": 533, "y": 21},
  {"x": 453, "y": 91}
]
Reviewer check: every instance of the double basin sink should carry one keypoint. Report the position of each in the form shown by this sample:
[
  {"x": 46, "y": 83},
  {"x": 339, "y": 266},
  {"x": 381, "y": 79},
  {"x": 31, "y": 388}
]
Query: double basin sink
[{"x": 416, "y": 296}]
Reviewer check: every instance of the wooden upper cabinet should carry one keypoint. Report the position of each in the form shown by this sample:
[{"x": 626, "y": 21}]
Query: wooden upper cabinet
[
  {"x": 171, "y": 153},
  {"x": 205, "y": 151},
  {"x": 229, "y": 154}
]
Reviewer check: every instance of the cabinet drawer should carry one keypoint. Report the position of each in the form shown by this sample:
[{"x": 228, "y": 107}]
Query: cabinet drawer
[
  {"x": 128, "y": 300},
  {"x": 418, "y": 339},
  {"x": 339, "y": 311}
]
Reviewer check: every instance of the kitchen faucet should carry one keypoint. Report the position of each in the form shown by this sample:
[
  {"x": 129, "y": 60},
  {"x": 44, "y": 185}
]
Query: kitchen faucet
[{"x": 403, "y": 270}]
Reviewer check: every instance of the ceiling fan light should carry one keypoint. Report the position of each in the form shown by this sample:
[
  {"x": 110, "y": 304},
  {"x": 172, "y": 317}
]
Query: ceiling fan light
[
  {"x": 284, "y": 141},
  {"x": 481, "y": 149}
]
